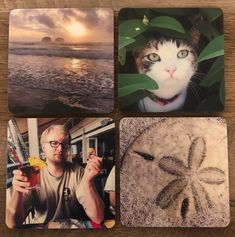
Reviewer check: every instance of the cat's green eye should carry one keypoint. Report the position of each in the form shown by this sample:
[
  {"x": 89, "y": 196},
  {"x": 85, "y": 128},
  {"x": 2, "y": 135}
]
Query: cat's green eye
[
  {"x": 182, "y": 53},
  {"x": 153, "y": 57}
]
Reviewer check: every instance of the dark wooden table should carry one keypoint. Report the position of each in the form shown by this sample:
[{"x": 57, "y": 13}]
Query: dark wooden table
[{"x": 228, "y": 7}]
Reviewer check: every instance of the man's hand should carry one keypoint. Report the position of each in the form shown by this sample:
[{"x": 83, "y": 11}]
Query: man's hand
[
  {"x": 20, "y": 182},
  {"x": 93, "y": 204},
  {"x": 93, "y": 167}
]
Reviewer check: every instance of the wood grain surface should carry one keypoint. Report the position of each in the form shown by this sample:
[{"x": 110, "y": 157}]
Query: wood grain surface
[{"x": 228, "y": 6}]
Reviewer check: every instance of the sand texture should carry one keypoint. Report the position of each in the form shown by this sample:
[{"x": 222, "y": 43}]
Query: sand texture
[{"x": 174, "y": 172}]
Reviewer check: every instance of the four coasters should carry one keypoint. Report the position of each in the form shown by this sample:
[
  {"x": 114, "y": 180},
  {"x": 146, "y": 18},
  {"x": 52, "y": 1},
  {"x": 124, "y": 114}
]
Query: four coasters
[
  {"x": 173, "y": 171},
  {"x": 171, "y": 59},
  {"x": 175, "y": 177},
  {"x": 61, "y": 61}
]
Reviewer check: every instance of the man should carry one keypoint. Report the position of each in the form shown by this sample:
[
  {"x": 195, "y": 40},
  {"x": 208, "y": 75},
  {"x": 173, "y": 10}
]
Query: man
[{"x": 63, "y": 186}]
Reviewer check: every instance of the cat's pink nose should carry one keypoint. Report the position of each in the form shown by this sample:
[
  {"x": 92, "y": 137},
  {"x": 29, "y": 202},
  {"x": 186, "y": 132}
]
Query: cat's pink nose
[{"x": 171, "y": 71}]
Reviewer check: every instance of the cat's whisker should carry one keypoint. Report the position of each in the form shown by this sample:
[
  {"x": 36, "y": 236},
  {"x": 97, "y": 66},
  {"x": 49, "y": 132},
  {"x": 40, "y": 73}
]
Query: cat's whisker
[
  {"x": 194, "y": 93},
  {"x": 194, "y": 90},
  {"x": 199, "y": 75},
  {"x": 197, "y": 79},
  {"x": 198, "y": 72},
  {"x": 195, "y": 85}
]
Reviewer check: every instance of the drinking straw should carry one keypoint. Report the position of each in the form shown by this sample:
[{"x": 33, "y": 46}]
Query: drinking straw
[{"x": 14, "y": 154}]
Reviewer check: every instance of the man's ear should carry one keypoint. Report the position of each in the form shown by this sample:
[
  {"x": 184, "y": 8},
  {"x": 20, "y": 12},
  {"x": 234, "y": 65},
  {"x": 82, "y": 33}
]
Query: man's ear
[{"x": 43, "y": 147}]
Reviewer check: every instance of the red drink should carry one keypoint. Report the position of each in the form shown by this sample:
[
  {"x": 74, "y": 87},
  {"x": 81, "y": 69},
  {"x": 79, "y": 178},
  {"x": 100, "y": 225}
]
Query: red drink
[{"x": 33, "y": 175}]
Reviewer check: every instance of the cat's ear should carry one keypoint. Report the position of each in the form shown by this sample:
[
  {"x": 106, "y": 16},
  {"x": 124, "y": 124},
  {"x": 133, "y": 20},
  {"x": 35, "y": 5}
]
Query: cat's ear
[
  {"x": 135, "y": 53},
  {"x": 195, "y": 36}
]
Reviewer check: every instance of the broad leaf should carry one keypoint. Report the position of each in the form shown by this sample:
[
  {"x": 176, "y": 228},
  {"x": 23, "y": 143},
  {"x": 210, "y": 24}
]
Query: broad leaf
[
  {"x": 208, "y": 30},
  {"x": 138, "y": 45},
  {"x": 215, "y": 74},
  {"x": 124, "y": 41},
  {"x": 122, "y": 56},
  {"x": 129, "y": 83},
  {"x": 211, "y": 14},
  {"x": 132, "y": 28},
  {"x": 167, "y": 23},
  {"x": 132, "y": 98},
  {"x": 214, "y": 49},
  {"x": 210, "y": 104}
]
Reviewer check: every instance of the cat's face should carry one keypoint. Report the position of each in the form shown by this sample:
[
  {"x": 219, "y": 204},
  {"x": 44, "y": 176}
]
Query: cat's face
[{"x": 171, "y": 63}]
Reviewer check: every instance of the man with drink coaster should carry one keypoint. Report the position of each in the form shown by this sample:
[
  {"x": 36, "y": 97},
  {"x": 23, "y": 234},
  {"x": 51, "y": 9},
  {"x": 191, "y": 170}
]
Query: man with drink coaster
[{"x": 62, "y": 191}]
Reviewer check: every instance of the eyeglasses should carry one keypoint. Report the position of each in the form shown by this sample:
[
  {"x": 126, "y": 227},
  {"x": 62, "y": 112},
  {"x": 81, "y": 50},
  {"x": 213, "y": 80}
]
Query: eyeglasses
[{"x": 56, "y": 144}]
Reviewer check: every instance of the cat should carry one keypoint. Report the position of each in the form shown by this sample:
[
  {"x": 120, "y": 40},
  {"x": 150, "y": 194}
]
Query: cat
[{"x": 171, "y": 63}]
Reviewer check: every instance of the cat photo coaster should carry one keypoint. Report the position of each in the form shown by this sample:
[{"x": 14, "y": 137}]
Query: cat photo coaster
[
  {"x": 171, "y": 59},
  {"x": 174, "y": 177}
]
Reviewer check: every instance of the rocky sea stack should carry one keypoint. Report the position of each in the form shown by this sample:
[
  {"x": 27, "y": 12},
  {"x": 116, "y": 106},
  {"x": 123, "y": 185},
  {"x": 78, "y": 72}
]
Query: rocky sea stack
[
  {"x": 59, "y": 40},
  {"x": 46, "y": 39}
]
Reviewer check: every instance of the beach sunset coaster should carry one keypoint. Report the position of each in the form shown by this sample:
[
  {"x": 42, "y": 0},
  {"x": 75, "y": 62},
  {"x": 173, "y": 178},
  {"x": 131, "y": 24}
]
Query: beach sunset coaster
[
  {"x": 171, "y": 59},
  {"x": 174, "y": 172},
  {"x": 60, "y": 61}
]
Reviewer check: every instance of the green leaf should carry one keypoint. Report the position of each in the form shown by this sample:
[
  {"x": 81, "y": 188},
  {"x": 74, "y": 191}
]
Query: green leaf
[
  {"x": 215, "y": 74},
  {"x": 214, "y": 49},
  {"x": 222, "y": 93},
  {"x": 122, "y": 56},
  {"x": 138, "y": 45},
  {"x": 210, "y": 104},
  {"x": 129, "y": 83},
  {"x": 124, "y": 41},
  {"x": 132, "y": 98},
  {"x": 167, "y": 23},
  {"x": 132, "y": 28},
  {"x": 211, "y": 14},
  {"x": 208, "y": 30}
]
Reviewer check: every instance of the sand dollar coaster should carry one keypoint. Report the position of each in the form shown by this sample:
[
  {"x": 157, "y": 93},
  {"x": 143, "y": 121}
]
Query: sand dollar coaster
[{"x": 174, "y": 172}]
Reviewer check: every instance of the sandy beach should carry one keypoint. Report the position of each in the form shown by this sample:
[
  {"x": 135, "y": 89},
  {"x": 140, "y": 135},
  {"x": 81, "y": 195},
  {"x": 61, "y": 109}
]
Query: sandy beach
[{"x": 35, "y": 82}]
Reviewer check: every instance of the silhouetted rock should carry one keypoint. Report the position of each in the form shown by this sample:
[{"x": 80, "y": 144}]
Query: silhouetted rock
[
  {"x": 59, "y": 40},
  {"x": 46, "y": 39}
]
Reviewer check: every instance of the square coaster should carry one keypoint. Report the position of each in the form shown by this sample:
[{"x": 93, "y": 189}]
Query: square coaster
[
  {"x": 174, "y": 172},
  {"x": 59, "y": 157},
  {"x": 171, "y": 59},
  {"x": 61, "y": 61}
]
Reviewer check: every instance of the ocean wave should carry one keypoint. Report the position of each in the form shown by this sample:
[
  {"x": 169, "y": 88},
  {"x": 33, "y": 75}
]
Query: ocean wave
[{"x": 66, "y": 53}]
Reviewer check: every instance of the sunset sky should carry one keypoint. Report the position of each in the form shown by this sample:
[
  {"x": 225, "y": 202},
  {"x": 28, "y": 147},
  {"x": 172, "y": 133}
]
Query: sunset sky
[{"x": 74, "y": 25}]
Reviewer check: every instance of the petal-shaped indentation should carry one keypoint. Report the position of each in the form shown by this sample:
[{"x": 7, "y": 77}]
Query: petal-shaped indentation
[
  {"x": 196, "y": 197},
  {"x": 146, "y": 156},
  {"x": 197, "y": 153},
  {"x": 184, "y": 208},
  {"x": 170, "y": 192},
  {"x": 201, "y": 197},
  {"x": 211, "y": 175},
  {"x": 206, "y": 195},
  {"x": 173, "y": 166}
]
